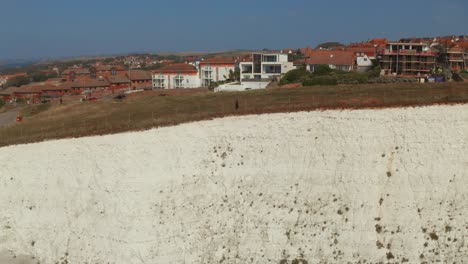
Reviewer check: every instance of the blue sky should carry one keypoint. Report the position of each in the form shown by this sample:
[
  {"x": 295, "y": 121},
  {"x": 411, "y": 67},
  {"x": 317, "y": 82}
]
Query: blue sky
[{"x": 53, "y": 28}]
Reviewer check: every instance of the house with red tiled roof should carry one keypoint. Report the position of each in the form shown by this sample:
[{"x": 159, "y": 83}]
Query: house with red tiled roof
[
  {"x": 117, "y": 82},
  {"x": 336, "y": 59},
  {"x": 107, "y": 70},
  {"x": 90, "y": 84},
  {"x": 73, "y": 74},
  {"x": 57, "y": 90},
  {"x": 8, "y": 93},
  {"x": 216, "y": 69},
  {"x": 176, "y": 76},
  {"x": 140, "y": 79}
]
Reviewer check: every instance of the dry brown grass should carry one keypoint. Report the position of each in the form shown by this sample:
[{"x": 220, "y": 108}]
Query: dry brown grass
[{"x": 151, "y": 110}]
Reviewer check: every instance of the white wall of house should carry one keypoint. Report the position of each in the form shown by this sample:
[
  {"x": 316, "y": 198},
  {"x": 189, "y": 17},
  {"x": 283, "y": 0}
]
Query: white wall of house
[
  {"x": 175, "y": 81},
  {"x": 364, "y": 63},
  {"x": 210, "y": 73}
]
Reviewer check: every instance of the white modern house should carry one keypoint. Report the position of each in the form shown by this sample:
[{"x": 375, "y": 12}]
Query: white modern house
[
  {"x": 262, "y": 68},
  {"x": 215, "y": 70},
  {"x": 176, "y": 76}
]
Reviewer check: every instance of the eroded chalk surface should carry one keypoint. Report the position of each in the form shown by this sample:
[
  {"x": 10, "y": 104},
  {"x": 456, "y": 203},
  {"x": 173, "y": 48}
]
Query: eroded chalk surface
[{"x": 365, "y": 186}]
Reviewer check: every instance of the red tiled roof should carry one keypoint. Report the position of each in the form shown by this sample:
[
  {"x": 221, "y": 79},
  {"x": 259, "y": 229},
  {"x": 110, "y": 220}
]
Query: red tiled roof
[
  {"x": 117, "y": 79},
  {"x": 8, "y": 91},
  {"x": 331, "y": 57},
  {"x": 139, "y": 75},
  {"x": 89, "y": 83},
  {"x": 177, "y": 68},
  {"x": 31, "y": 88}
]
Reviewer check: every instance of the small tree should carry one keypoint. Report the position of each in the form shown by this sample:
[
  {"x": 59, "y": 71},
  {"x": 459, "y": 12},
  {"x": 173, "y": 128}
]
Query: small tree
[
  {"x": 2, "y": 102},
  {"x": 234, "y": 75}
]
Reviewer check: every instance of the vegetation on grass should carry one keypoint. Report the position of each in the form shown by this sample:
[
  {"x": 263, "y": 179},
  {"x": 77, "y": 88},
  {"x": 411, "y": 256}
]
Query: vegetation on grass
[
  {"x": 33, "y": 110},
  {"x": 18, "y": 81},
  {"x": 151, "y": 110},
  {"x": 295, "y": 76},
  {"x": 324, "y": 75}
]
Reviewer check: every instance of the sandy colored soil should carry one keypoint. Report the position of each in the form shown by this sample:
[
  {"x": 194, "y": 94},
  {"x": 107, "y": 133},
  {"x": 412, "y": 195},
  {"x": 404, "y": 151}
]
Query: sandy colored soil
[{"x": 359, "y": 186}]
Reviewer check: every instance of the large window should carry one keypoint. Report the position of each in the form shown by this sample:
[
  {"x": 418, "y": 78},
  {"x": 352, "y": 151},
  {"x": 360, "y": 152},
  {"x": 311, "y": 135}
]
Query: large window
[
  {"x": 270, "y": 58},
  {"x": 159, "y": 82},
  {"x": 179, "y": 81}
]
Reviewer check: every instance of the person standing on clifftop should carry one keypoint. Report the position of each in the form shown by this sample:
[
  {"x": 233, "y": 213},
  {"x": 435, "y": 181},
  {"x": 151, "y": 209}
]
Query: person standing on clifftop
[{"x": 237, "y": 104}]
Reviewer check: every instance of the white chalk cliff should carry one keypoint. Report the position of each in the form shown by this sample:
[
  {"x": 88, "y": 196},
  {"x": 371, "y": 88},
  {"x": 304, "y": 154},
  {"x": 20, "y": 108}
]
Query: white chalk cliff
[{"x": 312, "y": 187}]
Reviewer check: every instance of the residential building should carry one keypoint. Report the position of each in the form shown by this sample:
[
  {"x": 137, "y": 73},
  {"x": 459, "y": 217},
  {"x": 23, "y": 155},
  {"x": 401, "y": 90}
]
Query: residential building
[
  {"x": 407, "y": 59},
  {"x": 215, "y": 70},
  {"x": 73, "y": 74},
  {"x": 176, "y": 76},
  {"x": 80, "y": 86},
  {"x": 107, "y": 70},
  {"x": 363, "y": 63},
  {"x": 117, "y": 82},
  {"x": 57, "y": 90},
  {"x": 262, "y": 68},
  {"x": 140, "y": 79},
  {"x": 335, "y": 59},
  {"x": 456, "y": 58}
]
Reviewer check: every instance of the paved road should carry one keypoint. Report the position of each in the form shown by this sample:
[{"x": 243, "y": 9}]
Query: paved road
[{"x": 9, "y": 117}]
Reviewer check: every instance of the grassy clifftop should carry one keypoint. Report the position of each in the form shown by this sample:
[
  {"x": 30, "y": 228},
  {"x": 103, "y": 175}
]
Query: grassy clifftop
[{"x": 144, "y": 112}]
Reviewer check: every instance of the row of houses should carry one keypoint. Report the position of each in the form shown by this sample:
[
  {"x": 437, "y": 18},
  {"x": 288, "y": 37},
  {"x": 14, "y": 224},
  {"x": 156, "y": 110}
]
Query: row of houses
[{"x": 407, "y": 57}]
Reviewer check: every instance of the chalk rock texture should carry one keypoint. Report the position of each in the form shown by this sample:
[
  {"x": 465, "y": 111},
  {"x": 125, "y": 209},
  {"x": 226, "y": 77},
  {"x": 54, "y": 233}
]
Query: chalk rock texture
[{"x": 362, "y": 186}]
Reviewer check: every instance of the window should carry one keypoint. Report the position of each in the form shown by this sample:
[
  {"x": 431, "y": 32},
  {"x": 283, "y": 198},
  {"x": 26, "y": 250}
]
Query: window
[{"x": 179, "y": 81}]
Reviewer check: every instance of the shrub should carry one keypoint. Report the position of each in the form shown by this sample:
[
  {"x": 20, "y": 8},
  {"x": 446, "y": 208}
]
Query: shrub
[
  {"x": 20, "y": 101},
  {"x": 2, "y": 102},
  {"x": 295, "y": 76},
  {"x": 323, "y": 70}
]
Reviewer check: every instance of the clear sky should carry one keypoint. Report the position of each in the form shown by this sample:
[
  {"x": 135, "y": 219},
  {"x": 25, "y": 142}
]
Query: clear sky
[{"x": 53, "y": 28}]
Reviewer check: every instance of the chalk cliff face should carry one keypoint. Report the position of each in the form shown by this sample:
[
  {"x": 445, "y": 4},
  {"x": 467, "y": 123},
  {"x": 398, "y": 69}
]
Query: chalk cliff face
[{"x": 333, "y": 186}]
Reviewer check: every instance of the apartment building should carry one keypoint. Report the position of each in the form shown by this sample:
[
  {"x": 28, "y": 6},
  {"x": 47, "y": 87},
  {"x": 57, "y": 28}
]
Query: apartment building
[
  {"x": 215, "y": 70},
  {"x": 456, "y": 58},
  {"x": 407, "y": 59},
  {"x": 176, "y": 76},
  {"x": 263, "y": 67}
]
